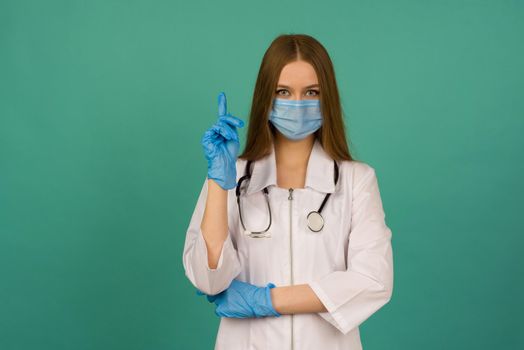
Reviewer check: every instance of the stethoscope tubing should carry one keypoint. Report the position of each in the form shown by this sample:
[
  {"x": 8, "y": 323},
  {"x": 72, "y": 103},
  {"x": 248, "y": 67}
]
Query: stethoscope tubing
[{"x": 315, "y": 215}]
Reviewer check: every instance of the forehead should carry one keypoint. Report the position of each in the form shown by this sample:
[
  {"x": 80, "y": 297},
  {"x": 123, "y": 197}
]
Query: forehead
[{"x": 298, "y": 73}]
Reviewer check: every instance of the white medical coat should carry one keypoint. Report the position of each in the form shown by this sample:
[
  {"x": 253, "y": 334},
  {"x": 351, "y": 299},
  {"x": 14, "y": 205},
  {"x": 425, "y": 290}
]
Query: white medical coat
[{"x": 349, "y": 264}]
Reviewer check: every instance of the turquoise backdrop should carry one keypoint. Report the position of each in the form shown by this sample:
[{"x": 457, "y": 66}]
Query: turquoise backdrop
[{"x": 102, "y": 107}]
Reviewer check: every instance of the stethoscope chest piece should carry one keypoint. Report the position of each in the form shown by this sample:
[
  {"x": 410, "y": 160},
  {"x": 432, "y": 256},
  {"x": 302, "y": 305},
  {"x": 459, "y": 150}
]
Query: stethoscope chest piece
[{"x": 315, "y": 221}]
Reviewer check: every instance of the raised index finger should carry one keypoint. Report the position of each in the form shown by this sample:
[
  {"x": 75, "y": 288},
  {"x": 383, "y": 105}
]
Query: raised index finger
[{"x": 222, "y": 104}]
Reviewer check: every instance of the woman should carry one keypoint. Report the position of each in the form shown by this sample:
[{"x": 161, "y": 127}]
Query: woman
[{"x": 281, "y": 276}]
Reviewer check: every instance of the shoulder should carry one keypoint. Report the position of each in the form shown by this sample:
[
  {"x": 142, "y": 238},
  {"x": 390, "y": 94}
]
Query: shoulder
[
  {"x": 241, "y": 167},
  {"x": 241, "y": 163},
  {"x": 356, "y": 172}
]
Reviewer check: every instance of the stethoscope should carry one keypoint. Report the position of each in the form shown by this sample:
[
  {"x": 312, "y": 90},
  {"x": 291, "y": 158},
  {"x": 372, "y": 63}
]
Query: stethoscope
[{"x": 315, "y": 221}]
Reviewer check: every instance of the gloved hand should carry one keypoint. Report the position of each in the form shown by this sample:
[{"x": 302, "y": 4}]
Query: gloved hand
[
  {"x": 220, "y": 143},
  {"x": 242, "y": 300}
]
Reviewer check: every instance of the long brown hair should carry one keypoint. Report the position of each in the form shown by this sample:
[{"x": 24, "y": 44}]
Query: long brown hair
[{"x": 284, "y": 49}]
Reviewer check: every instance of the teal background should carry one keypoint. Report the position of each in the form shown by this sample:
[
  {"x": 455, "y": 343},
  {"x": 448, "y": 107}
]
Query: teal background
[{"x": 102, "y": 106}]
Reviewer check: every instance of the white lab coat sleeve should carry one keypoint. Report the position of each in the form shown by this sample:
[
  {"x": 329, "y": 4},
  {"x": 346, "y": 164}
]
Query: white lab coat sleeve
[
  {"x": 353, "y": 295},
  {"x": 195, "y": 258}
]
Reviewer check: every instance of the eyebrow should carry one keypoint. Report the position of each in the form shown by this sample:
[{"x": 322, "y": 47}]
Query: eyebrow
[{"x": 288, "y": 87}]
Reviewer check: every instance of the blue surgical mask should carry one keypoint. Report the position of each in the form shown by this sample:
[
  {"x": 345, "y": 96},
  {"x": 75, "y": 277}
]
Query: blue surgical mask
[{"x": 296, "y": 119}]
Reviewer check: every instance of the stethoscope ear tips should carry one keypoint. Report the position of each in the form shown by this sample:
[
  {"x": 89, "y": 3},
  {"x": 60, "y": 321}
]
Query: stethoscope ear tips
[{"x": 315, "y": 221}]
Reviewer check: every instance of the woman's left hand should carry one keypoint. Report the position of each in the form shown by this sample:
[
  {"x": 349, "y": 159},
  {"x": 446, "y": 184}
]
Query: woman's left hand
[{"x": 243, "y": 300}]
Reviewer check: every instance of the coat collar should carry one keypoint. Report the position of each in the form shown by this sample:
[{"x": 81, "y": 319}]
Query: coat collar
[{"x": 319, "y": 174}]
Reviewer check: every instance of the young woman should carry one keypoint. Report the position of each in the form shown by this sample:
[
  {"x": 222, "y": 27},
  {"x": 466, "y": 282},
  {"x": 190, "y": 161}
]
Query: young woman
[{"x": 289, "y": 238}]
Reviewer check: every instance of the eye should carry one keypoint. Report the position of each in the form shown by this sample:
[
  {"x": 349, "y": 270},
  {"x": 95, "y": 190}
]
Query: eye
[
  {"x": 279, "y": 90},
  {"x": 315, "y": 91}
]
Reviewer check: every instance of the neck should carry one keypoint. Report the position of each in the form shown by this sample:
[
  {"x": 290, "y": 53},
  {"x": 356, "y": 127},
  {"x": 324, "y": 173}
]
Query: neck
[{"x": 290, "y": 154}]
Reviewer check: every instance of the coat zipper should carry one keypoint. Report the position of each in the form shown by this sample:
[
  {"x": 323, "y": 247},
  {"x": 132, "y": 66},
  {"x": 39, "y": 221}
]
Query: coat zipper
[{"x": 290, "y": 198}]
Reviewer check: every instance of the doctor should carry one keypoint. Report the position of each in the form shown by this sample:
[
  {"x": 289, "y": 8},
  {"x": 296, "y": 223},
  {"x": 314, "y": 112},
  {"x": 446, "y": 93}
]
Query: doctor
[{"x": 293, "y": 249}]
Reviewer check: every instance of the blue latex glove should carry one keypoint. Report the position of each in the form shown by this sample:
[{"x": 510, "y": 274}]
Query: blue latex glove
[
  {"x": 243, "y": 300},
  {"x": 221, "y": 143}
]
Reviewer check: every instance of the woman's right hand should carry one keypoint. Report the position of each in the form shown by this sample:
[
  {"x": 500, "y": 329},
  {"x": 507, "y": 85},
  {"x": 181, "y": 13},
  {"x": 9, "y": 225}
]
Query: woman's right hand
[{"x": 221, "y": 143}]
